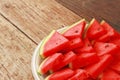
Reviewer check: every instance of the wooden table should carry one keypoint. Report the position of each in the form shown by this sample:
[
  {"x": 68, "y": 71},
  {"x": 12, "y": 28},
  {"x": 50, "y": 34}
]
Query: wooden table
[
  {"x": 23, "y": 24},
  {"x": 109, "y": 10}
]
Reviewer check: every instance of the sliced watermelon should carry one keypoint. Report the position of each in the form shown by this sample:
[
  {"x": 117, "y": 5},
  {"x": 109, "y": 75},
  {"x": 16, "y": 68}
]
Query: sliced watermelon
[
  {"x": 105, "y": 48},
  {"x": 110, "y": 75},
  {"x": 61, "y": 75},
  {"x": 68, "y": 57},
  {"x": 80, "y": 74},
  {"x": 84, "y": 59},
  {"x": 116, "y": 63},
  {"x": 87, "y": 47},
  {"x": 73, "y": 44},
  {"x": 75, "y": 30},
  {"x": 116, "y": 42},
  {"x": 82, "y": 52},
  {"x": 95, "y": 70},
  {"x": 111, "y": 33},
  {"x": 116, "y": 66},
  {"x": 95, "y": 30},
  {"x": 53, "y": 42},
  {"x": 48, "y": 63}
]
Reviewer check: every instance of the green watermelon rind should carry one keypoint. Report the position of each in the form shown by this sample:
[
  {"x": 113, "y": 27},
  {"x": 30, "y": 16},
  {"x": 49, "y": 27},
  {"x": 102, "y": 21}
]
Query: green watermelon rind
[
  {"x": 70, "y": 65},
  {"x": 85, "y": 31},
  {"x": 87, "y": 27},
  {"x": 47, "y": 78},
  {"x": 91, "y": 22},
  {"x": 39, "y": 70},
  {"x": 102, "y": 22}
]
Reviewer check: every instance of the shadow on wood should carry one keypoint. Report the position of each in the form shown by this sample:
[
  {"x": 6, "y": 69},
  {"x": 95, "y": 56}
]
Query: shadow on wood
[{"x": 108, "y": 10}]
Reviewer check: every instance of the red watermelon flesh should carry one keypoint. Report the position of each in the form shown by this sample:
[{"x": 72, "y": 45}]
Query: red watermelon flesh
[
  {"x": 110, "y": 75},
  {"x": 95, "y": 30},
  {"x": 116, "y": 66},
  {"x": 61, "y": 75},
  {"x": 48, "y": 63},
  {"x": 116, "y": 63},
  {"x": 75, "y": 30},
  {"x": 80, "y": 74},
  {"x": 96, "y": 69},
  {"x": 105, "y": 48},
  {"x": 68, "y": 57},
  {"x": 116, "y": 42},
  {"x": 96, "y": 50},
  {"x": 52, "y": 44},
  {"x": 87, "y": 47},
  {"x": 84, "y": 59},
  {"x": 111, "y": 33},
  {"x": 73, "y": 44}
]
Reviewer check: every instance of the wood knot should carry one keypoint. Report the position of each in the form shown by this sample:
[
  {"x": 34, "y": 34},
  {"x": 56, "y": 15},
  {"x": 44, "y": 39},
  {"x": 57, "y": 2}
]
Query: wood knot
[{"x": 9, "y": 6}]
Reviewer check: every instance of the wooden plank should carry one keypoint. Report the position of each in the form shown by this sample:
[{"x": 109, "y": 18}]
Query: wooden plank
[
  {"x": 100, "y": 9},
  {"x": 36, "y": 18},
  {"x": 15, "y": 53}
]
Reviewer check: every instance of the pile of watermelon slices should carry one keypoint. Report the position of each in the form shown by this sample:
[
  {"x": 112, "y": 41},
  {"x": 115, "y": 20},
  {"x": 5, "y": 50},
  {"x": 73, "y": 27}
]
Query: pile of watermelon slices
[{"x": 81, "y": 52}]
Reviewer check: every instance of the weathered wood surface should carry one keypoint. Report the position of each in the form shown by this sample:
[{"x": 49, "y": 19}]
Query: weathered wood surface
[
  {"x": 36, "y": 18},
  {"x": 23, "y": 23},
  {"x": 108, "y": 10},
  {"x": 15, "y": 53}
]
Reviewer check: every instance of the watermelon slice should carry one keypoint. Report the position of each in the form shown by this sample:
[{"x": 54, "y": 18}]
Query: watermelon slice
[
  {"x": 75, "y": 30},
  {"x": 110, "y": 33},
  {"x": 81, "y": 52},
  {"x": 95, "y": 69},
  {"x": 73, "y": 44},
  {"x": 61, "y": 75},
  {"x": 84, "y": 59},
  {"x": 53, "y": 43},
  {"x": 48, "y": 63},
  {"x": 116, "y": 63},
  {"x": 105, "y": 48},
  {"x": 110, "y": 75},
  {"x": 68, "y": 57},
  {"x": 80, "y": 74},
  {"x": 95, "y": 30},
  {"x": 87, "y": 47}
]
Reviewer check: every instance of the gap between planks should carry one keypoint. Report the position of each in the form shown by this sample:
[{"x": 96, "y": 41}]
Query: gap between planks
[{"x": 18, "y": 28}]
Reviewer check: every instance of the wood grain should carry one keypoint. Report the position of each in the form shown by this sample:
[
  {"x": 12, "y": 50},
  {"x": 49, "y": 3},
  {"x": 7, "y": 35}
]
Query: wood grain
[
  {"x": 100, "y": 9},
  {"x": 36, "y": 18},
  {"x": 15, "y": 53},
  {"x": 23, "y": 24}
]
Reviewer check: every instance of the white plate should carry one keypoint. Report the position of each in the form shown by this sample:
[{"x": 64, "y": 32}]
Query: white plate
[{"x": 36, "y": 60}]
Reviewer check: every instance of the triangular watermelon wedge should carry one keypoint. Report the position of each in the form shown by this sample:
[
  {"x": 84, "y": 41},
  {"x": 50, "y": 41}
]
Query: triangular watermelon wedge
[
  {"x": 110, "y": 35},
  {"x": 68, "y": 57},
  {"x": 63, "y": 74},
  {"x": 105, "y": 48},
  {"x": 80, "y": 74},
  {"x": 95, "y": 30},
  {"x": 87, "y": 47},
  {"x": 96, "y": 69},
  {"x": 75, "y": 30},
  {"x": 52, "y": 43},
  {"x": 49, "y": 62}
]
